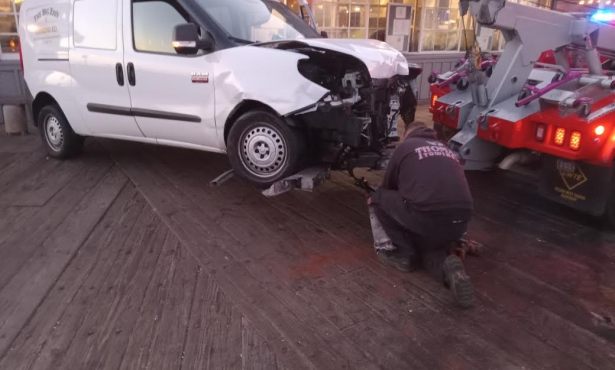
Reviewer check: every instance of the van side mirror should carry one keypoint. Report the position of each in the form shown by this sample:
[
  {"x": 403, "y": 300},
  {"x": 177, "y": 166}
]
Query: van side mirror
[
  {"x": 324, "y": 34},
  {"x": 186, "y": 40}
]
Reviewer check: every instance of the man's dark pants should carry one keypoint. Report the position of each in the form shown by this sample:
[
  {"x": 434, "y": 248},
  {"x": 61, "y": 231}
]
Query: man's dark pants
[{"x": 420, "y": 235}]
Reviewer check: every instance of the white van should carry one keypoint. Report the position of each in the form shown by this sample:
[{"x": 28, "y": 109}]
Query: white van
[{"x": 244, "y": 77}]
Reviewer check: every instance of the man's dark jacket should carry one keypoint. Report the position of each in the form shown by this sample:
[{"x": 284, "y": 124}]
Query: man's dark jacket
[{"x": 427, "y": 174}]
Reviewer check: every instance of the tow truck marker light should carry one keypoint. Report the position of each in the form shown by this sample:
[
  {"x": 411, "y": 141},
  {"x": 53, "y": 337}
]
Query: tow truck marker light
[
  {"x": 599, "y": 130},
  {"x": 434, "y": 99},
  {"x": 560, "y": 134},
  {"x": 540, "y": 132},
  {"x": 604, "y": 16},
  {"x": 575, "y": 140}
]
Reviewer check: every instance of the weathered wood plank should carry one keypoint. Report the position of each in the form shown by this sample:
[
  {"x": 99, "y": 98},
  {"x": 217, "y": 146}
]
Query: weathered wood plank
[
  {"x": 26, "y": 289},
  {"x": 139, "y": 348},
  {"x": 419, "y": 319},
  {"x": 15, "y": 170},
  {"x": 124, "y": 286},
  {"x": 168, "y": 343},
  {"x": 538, "y": 350},
  {"x": 156, "y": 257},
  {"x": 275, "y": 267},
  {"x": 24, "y": 239},
  {"x": 232, "y": 274},
  {"x": 214, "y": 338},
  {"x": 7, "y": 159},
  {"x": 292, "y": 282},
  {"x": 99, "y": 252},
  {"x": 256, "y": 353},
  {"x": 21, "y": 143},
  {"x": 270, "y": 261},
  {"x": 14, "y": 218},
  {"x": 34, "y": 189},
  {"x": 94, "y": 297}
]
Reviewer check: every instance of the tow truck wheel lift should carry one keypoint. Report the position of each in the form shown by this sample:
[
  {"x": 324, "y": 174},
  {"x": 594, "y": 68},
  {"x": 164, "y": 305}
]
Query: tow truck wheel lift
[
  {"x": 312, "y": 177},
  {"x": 510, "y": 111}
]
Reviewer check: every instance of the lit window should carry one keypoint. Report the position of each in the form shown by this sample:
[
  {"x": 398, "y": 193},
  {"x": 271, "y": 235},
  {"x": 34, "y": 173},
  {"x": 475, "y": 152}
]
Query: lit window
[{"x": 9, "y": 41}]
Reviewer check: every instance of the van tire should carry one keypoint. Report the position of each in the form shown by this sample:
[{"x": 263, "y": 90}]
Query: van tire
[
  {"x": 263, "y": 149},
  {"x": 58, "y": 137}
]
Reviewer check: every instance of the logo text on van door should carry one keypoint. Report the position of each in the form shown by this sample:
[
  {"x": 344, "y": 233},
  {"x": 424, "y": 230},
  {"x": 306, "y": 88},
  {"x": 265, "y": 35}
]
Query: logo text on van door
[
  {"x": 200, "y": 78},
  {"x": 46, "y": 23},
  {"x": 46, "y": 12}
]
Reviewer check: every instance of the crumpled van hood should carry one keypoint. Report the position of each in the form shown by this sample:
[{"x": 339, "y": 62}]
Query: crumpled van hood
[{"x": 382, "y": 60}]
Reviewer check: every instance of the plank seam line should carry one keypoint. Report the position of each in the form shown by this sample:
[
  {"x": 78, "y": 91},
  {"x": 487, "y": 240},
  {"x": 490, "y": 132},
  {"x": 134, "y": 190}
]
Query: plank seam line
[
  {"x": 150, "y": 282},
  {"x": 102, "y": 176},
  {"x": 194, "y": 293},
  {"x": 70, "y": 260},
  {"x": 183, "y": 245}
]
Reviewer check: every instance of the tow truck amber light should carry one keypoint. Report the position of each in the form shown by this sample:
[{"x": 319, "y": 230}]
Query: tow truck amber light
[
  {"x": 599, "y": 130},
  {"x": 575, "y": 140},
  {"x": 541, "y": 130},
  {"x": 434, "y": 99},
  {"x": 560, "y": 134}
]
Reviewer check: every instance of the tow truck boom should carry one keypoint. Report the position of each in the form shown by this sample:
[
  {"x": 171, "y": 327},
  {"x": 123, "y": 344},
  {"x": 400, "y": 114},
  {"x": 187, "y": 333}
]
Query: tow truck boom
[{"x": 528, "y": 32}]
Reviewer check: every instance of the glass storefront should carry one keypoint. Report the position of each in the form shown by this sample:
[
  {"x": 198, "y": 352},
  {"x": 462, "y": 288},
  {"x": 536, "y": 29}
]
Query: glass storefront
[
  {"x": 436, "y": 24},
  {"x": 9, "y": 42}
]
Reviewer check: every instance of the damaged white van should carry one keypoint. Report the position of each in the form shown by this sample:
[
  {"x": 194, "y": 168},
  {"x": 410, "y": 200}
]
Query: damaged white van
[{"x": 244, "y": 77}]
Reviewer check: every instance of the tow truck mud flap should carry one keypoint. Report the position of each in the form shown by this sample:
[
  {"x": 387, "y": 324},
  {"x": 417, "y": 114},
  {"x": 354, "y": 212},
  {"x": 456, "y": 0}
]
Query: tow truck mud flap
[{"x": 576, "y": 184}]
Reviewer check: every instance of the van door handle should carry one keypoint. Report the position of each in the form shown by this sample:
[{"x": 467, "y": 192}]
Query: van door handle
[
  {"x": 119, "y": 74},
  {"x": 132, "y": 79}
]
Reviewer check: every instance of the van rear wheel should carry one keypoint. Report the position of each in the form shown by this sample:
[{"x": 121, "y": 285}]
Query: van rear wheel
[
  {"x": 59, "y": 139},
  {"x": 263, "y": 149}
]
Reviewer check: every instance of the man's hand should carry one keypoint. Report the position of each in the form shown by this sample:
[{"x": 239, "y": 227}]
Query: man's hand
[{"x": 369, "y": 201}]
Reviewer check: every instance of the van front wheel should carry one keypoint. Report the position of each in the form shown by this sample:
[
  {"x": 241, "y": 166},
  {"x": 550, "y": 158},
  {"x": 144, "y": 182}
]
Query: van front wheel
[
  {"x": 59, "y": 139},
  {"x": 264, "y": 149}
]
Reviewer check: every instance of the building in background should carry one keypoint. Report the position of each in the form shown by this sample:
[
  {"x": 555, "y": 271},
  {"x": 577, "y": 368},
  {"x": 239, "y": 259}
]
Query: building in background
[
  {"x": 435, "y": 25},
  {"x": 430, "y": 31},
  {"x": 9, "y": 42}
]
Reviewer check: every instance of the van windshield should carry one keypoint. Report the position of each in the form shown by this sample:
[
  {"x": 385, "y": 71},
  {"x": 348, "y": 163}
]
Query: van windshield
[{"x": 253, "y": 21}]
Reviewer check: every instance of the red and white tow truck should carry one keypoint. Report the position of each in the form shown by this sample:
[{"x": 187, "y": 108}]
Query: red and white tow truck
[{"x": 554, "y": 109}]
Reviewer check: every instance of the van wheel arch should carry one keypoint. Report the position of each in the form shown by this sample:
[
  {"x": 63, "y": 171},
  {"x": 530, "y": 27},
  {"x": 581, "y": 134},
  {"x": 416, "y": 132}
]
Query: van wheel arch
[
  {"x": 242, "y": 108},
  {"x": 42, "y": 100}
]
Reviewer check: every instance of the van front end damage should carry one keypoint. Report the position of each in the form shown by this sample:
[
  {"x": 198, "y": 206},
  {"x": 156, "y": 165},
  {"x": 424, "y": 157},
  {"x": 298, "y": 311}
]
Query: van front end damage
[
  {"x": 355, "y": 128},
  {"x": 355, "y": 123}
]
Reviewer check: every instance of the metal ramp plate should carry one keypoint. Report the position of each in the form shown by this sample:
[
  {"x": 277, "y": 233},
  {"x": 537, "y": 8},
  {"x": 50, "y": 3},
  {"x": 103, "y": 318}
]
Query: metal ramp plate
[{"x": 306, "y": 180}]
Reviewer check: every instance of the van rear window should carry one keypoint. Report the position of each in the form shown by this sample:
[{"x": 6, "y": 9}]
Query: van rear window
[{"x": 95, "y": 25}]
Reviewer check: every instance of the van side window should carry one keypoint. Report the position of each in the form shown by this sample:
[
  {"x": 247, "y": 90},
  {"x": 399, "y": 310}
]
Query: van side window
[
  {"x": 153, "y": 25},
  {"x": 95, "y": 24}
]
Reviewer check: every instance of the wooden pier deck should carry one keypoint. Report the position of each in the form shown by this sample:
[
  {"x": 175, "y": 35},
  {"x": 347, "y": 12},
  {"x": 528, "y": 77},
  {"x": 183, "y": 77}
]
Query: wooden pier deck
[{"x": 125, "y": 258}]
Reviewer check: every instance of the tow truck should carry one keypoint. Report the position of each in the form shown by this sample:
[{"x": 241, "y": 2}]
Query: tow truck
[{"x": 522, "y": 108}]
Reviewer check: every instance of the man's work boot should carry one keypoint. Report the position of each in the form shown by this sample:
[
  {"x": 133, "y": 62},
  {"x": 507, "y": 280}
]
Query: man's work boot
[
  {"x": 458, "y": 281},
  {"x": 401, "y": 263}
]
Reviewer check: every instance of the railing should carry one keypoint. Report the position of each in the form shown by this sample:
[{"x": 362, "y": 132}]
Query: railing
[
  {"x": 12, "y": 86},
  {"x": 431, "y": 62}
]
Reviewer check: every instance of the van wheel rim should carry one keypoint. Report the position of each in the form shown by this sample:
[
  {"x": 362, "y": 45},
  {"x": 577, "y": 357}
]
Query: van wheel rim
[
  {"x": 54, "y": 133},
  {"x": 263, "y": 151}
]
